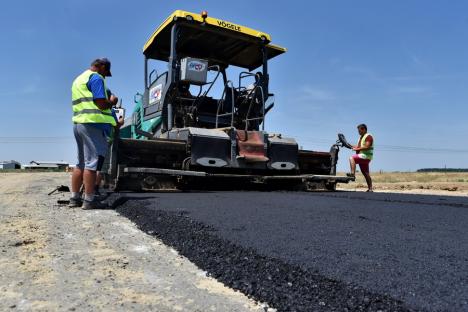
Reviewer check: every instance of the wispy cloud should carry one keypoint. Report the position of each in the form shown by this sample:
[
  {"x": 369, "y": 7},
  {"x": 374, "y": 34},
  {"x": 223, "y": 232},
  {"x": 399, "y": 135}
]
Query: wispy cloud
[
  {"x": 416, "y": 60},
  {"x": 411, "y": 90},
  {"x": 361, "y": 70},
  {"x": 26, "y": 32},
  {"x": 426, "y": 77},
  {"x": 310, "y": 102},
  {"x": 421, "y": 71},
  {"x": 334, "y": 61},
  {"x": 418, "y": 84},
  {"x": 316, "y": 94},
  {"x": 29, "y": 89}
]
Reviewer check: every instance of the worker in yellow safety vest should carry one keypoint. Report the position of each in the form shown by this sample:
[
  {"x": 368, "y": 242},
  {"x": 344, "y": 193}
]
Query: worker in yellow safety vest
[
  {"x": 92, "y": 121},
  {"x": 364, "y": 154}
]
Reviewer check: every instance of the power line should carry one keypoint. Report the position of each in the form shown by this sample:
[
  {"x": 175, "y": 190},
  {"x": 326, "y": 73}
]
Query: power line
[
  {"x": 378, "y": 148},
  {"x": 35, "y": 142},
  {"x": 392, "y": 148},
  {"x": 38, "y": 136},
  {"x": 35, "y": 139}
]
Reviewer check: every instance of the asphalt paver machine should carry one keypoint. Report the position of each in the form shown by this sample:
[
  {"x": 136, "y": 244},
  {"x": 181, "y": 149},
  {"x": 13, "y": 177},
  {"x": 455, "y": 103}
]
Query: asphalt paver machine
[{"x": 176, "y": 139}]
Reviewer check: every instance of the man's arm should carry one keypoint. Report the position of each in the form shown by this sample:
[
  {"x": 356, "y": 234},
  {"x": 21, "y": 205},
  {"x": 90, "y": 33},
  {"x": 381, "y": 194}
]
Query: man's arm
[
  {"x": 96, "y": 86},
  {"x": 367, "y": 145},
  {"x": 106, "y": 104},
  {"x": 362, "y": 148}
]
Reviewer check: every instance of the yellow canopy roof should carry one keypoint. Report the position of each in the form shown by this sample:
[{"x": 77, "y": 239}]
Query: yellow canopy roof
[{"x": 218, "y": 41}]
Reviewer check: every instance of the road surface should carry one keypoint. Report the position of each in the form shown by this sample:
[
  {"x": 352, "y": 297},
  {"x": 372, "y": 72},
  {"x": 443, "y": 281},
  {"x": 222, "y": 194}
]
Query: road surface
[{"x": 320, "y": 251}]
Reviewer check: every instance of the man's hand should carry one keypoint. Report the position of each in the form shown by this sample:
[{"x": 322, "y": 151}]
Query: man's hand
[
  {"x": 120, "y": 122},
  {"x": 113, "y": 100},
  {"x": 362, "y": 148},
  {"x": 103, "y": 104}
]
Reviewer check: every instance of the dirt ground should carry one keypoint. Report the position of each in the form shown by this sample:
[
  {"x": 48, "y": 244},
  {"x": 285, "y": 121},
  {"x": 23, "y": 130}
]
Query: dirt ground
[
  {"x": 449, "y": 184},
  {"x": 53, "y": 258}
]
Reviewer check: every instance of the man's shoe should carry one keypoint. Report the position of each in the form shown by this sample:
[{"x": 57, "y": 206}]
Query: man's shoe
[
  {"x": 95, "y": 204},
  {"x": 351, "y": 175},
  {"x": 75, "y": 203}
]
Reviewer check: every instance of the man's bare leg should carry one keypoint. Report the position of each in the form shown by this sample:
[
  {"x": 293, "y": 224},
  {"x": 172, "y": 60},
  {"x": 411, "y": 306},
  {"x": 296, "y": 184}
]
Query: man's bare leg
[
  {"x": 352, "y": 164},
  {"x": 368, "y": 181},
  {"x": 77, "y": 180},
  {"x": 76, "y": 183},
  {"x": 89, "y": 178}
]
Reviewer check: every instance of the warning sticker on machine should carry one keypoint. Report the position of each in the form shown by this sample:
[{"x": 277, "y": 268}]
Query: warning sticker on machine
[{"x": 155, "y": 94}]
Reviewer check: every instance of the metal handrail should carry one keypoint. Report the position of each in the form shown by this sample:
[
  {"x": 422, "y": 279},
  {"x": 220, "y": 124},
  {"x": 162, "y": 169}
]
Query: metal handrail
[
  {"x": 247, "y": 119},
  {"x": 229, "y": 82},
  {"x": 243, "y": 75}
]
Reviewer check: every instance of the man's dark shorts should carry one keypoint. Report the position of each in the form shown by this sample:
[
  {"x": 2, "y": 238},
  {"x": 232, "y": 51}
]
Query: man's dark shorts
[
  {"x": 363, "y": 163},
  {"x": 92, "y": 146}
]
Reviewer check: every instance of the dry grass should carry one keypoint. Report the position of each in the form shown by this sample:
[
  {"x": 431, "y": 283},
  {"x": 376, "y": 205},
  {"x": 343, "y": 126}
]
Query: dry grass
[
  {"x": 421, "y": 181},
  {"x": 420, "y": 177}
]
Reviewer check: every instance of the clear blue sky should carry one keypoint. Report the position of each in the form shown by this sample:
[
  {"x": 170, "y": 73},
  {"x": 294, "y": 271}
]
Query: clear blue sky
[{"x": 399, "y": 66}]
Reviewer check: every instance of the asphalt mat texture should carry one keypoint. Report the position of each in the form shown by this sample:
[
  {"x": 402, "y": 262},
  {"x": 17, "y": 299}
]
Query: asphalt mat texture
[{"x": 318, "y": 251}]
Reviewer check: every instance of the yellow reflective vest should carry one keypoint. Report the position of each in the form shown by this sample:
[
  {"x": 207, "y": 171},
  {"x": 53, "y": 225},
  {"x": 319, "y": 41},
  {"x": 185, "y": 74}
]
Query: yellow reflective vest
[
  {"x": 84, "y": 109},
  {"x": 369, "y": 153}
]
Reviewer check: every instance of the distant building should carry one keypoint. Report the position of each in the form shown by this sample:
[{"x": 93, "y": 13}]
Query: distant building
[
  {"x": 47, "y": 165},
  {"x": 9, "y": 164}
]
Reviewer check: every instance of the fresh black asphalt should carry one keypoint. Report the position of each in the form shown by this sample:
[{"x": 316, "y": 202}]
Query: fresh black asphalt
[{"x": 320, "y": 251}]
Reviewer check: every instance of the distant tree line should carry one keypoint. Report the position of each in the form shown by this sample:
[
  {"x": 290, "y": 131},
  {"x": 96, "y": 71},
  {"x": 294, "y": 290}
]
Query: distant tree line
[{"x": 443, "y": 170}]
